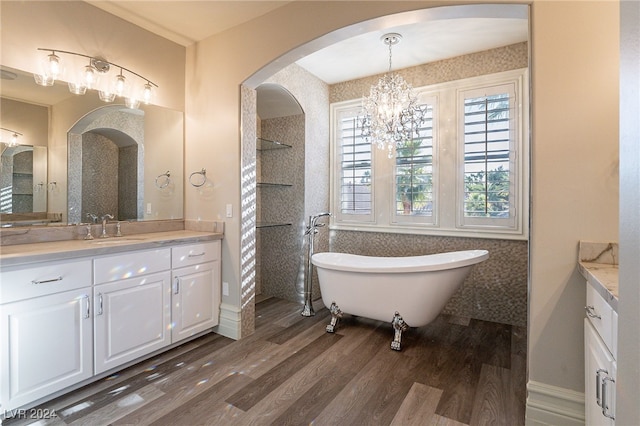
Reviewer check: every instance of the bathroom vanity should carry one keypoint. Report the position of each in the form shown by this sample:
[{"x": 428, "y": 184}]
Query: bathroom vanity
[
  {"x": 598, "y": 264},
  {"x": 74, "y": 311}
]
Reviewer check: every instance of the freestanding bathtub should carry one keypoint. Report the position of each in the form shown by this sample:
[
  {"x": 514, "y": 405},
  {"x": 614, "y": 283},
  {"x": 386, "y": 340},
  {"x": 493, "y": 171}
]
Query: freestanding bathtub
[{"x": 410, "y": 291}]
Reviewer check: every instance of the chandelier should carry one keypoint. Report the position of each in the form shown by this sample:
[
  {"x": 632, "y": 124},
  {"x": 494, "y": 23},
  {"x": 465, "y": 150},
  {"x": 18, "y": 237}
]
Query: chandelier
[
  {"x": 391, "y": 114},
  {"x": 94, "y": 74}
]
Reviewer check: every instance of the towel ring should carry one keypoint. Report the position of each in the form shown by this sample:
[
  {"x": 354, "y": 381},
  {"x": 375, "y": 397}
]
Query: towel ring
[
  {"x": 203, "y": 173},
  {"x": 163, "y": 183}
]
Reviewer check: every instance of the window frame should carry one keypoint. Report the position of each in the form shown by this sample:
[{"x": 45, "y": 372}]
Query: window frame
[{"x": 448, "y": 171}]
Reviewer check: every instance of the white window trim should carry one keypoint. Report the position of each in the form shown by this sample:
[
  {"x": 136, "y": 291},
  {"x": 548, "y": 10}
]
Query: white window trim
[{"x": 446, "y": 193}]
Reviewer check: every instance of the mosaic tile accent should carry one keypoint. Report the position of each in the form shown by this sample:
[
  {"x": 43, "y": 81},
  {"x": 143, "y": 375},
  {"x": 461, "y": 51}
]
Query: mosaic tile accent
[
  {"x": 488, "y": 62},
  {"x": 279, "y": 248}
]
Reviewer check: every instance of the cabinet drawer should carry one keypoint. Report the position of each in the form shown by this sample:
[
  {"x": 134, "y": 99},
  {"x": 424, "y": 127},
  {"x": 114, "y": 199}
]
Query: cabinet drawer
[
  {"x": 130, "y": 264},
  {"x": 192, "y": 254},
  {"x": 603, "y": 317},
  {"x": 42, "y": 279}
]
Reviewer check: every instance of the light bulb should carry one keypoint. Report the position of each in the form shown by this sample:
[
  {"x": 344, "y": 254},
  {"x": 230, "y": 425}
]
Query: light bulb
[
  {"x": 120, "y": 84},
  {"x": 147, "y": 93},
  {"x": 89, "y": 76},
  {"x": 14, "y": 140},
  {"x": 53, "y": 66}
]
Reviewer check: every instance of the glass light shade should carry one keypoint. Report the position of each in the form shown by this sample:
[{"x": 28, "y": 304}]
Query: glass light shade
[
  {"x": 43, "y": 80},
  {"x": 106, "y": 95},
  {"x": 77, "y": 88},
  {"x": 132, "y": 103},
  {"x": 14, "y": 140}
]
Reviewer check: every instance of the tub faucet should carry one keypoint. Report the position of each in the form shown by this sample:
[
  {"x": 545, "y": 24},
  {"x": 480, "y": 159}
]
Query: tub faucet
[
  {"x": 313, "y": 222},
  {"x": 104, "y": 225},
  {"x": 307, "y": 310}
]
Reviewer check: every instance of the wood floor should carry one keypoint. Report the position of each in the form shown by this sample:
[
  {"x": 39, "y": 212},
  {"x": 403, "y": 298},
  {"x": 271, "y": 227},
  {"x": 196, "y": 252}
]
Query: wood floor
[{"x": 291, "y": 372}]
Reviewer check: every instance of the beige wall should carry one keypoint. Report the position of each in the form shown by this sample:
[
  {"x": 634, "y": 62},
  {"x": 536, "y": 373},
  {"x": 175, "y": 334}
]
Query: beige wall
[{"x": 574, "y": 173}]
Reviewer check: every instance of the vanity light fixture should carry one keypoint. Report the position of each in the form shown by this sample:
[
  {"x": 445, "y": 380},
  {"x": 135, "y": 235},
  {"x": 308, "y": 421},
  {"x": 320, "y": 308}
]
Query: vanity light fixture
[
  {"x": 391, "y": 114},
  {"x": 13, "y": 140},
  {"x": 95, "y": 75}
]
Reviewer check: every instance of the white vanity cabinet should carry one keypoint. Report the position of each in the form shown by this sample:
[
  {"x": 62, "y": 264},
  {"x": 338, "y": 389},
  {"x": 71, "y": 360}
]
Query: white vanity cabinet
[
  {"x": 195, "y": 289},
  {"x": 600, "y": 331},
  {"x": 132, "y": 299},
  {"x": 45, "y": 330},
  {"x": 68, "y": 321}
]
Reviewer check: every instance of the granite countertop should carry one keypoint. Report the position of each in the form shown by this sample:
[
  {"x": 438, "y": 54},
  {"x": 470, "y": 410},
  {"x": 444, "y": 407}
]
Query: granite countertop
[
  {"x": 598, "y": 263},
  {"x": 21, "y": 254}
]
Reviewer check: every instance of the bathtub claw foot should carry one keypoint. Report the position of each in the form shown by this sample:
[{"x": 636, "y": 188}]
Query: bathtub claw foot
[
  {"x": 336, "y": 314},
  {"x": 398, "y": 327}
]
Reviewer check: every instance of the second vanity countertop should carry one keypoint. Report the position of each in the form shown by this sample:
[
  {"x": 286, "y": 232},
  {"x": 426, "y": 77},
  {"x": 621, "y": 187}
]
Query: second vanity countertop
[
  {"x": 598, "y": 264},
  {"x": 21, "y": 254}
]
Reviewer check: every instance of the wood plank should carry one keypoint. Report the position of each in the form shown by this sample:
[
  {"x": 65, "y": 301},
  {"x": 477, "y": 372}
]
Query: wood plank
[
  {"x": 492, "y": 406},
  {"x": 120, "y": 407},
  {"x": 346, "y": 359},
  {"x": 418, "y": 407},
  {"x": 198, "y": 409},
  {"x": 266, "y": 383}
]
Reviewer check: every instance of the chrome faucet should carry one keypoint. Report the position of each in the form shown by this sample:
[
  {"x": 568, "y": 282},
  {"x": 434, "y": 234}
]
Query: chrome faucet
[
  {"x": 93, "y": 217},
  {"x": 104, "y": 225},
  {"x": 307, "y": 310}
]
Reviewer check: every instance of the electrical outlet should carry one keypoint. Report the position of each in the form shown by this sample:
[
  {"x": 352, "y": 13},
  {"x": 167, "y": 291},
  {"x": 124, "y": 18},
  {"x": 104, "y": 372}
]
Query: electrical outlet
[
  {"x": 225, "y": 289},
  {"x": 148, "y": 208},
  {"x": 229, "y": 210}
]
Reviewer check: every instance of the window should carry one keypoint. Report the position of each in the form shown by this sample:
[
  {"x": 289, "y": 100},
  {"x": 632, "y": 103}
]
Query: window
[
  {"x": 414, "y": 173},
  {"x": 489, "y": 148},
  {"x": 355, "y": 171},
  {"x": 462, "y": 176}
]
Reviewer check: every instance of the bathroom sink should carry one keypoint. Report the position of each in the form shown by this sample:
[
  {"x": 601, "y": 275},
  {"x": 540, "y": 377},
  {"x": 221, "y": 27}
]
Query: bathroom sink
[{"x": 114, "y": 240}]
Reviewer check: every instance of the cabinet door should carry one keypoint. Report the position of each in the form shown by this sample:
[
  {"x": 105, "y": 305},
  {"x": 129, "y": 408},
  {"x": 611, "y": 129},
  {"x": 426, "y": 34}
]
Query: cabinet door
[
  {"x": 132, "y": 319},
  {"x": 195, "y": 299},
  {"x": 46, "y": 345},
  {"x": 600, "y": 374}
]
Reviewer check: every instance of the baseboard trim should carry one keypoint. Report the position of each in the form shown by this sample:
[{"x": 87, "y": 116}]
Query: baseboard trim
[
  {"x": 230, "y": 321},
  {"x": 552, "y": 405}
]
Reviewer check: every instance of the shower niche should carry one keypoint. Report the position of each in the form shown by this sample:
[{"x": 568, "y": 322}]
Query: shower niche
[{"x": 280, "y": 163}]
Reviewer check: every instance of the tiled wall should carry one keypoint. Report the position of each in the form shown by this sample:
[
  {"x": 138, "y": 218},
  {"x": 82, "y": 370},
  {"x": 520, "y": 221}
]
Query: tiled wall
[{"x": 280, "y": 247}]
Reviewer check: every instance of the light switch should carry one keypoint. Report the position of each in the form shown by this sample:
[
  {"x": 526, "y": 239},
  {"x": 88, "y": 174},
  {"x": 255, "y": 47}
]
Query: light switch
[
  {"x": 148, "y": 208},
  {"x": 229, "y": 210}
]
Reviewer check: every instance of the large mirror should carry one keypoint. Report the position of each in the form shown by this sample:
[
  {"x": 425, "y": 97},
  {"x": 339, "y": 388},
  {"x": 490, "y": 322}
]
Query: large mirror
[{"x": 99, "y": 159}]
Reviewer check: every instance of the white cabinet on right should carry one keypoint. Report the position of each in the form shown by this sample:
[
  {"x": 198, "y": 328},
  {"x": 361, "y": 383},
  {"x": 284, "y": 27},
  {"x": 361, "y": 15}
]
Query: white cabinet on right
[
  {"x": 196, "y": 289},
  {"x": 600, "y": 331}
]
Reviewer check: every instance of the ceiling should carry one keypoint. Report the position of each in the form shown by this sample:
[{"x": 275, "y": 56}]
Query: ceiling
[
  {"x": 437, "y": 34},
  {"x": 449, "y": 32}
]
